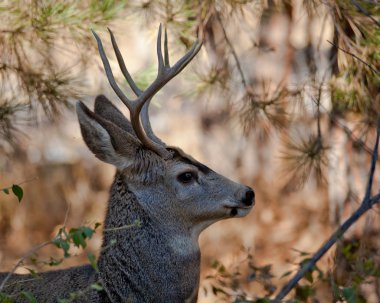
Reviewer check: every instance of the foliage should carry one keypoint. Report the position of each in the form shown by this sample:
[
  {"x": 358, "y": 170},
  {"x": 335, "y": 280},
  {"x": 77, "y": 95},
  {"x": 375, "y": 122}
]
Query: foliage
[
  {"x": 34, "y": 38},
  {"x": 27, "y": 296},
  {"x": 29, "y": 39},
  {"x": 65, "y": 240},
  {"x": 16, "y": 190},
  {"x": 229, "y": 284},
  {"x": 74, "y": 236},
  {"x": 80, "y": 294},
  {"x": 303, "y": 158}
]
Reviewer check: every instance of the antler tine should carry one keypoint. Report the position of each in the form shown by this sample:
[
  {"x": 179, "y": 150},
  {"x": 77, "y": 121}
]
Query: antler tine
[
  {"x": 159, "y": 52},
  {"x": 165, "y": 72},
  {"x": 166, "y": 48},
  {"x": 144, "y": 112},
  {"x": 123, "y": 68},
  {"x": 110, "y": 77},
  {"x": 164, "y": 75},
  {"x": 185, "y": 60},
  {"x": 131, "y": 105}
]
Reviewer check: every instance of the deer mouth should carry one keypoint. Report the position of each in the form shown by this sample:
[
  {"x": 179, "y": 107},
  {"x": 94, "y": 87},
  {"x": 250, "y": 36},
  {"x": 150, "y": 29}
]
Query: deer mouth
[{"x": 234, "y": 211}]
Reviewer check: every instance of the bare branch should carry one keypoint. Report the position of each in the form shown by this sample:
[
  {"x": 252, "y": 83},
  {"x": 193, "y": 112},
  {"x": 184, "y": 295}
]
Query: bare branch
[
  {"x": 137, "y": 223},
  {"x": 238, "y": 65},
  {"x": 18, "y": 264},
  {"x": 373, "y": 165},
  {"x": 366, "y": 204}
]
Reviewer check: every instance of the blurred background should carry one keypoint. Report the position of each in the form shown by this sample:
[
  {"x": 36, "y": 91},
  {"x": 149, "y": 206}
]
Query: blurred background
[{"x": 283, "y": 97}]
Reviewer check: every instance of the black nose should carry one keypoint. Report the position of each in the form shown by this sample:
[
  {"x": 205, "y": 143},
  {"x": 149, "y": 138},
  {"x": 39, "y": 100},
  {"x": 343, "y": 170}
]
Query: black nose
[{"x": 249, "y": 198}]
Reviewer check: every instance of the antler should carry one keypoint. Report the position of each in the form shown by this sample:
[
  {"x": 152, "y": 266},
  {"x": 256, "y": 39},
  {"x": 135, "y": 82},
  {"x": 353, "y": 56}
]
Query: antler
[{"x": 141, "y": 124}]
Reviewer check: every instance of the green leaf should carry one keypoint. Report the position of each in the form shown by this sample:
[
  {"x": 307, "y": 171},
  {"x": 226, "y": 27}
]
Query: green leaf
[
  {"x": 97, "y": 286},
  {"x": 88, "y": 232},
  {"x": 217, "y": 290},
  {"x": 78, "y": 235},
  {"x": 304, "y": 292},
  {"x": 32, "y": 272},
  {"x": 28, "y": 296},
  {"x": 369, "y": 265},
  {"x": 60, "y": 243},
  {"x": 215, "y": 264},
  {"x": 17, "y": 190},
  {"x": 78, "y": 239},
  {"x": 54, "y": 262},
  {"x": 301, "y": 253},
  {"x": 287, "y": 273},
  {"x": 309, "y": 276},
  {"x": 4, "y": 298},
  {"x": 91, "y": 257},
  {"x": 351, "y": 295},
  {"x": 5, "y": 191}
]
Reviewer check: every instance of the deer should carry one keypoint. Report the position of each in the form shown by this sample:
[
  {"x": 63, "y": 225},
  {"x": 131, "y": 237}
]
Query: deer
[{"x": 172, "y": 196}]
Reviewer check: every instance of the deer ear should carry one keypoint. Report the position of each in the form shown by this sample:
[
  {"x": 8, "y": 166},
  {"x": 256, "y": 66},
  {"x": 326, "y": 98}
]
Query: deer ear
[
  {"x": 105, "y": 139},
  {"x": 105, "y": 109}
]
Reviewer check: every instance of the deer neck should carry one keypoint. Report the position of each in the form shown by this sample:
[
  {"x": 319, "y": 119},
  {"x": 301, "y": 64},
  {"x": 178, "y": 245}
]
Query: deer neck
[{"x": 149, "y": 262}]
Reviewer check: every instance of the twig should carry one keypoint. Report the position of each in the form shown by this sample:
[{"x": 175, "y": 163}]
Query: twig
[
  {"x": 137, "y": 223},
  {"x": 356, "y": 57},
  {"x": 243, "y": 81},
  {"x": 22, "y": 182},
  {"x": 346, "y": 129},
  {"x": 351, "y": 135},
  {"x": 366, "y": 204},
  {"x": 318, "y": 102},
  {"x": 365, "y": 12},
  {"x": 31, "y": 252}
]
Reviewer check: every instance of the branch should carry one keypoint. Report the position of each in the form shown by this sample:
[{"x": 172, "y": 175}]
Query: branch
[
  {"x": 373, "y": 165},
  {"x": 33, "y": 250},
  {"x": 136, "y": 223},
  {"x": 318, "y": 102},
  {"x": 356, "y": 57},
  {"x": 30, "y": 253},
  {"x": 365, "y": 12},
  {"x": 243, "y": 81},
  {"x": 346, "y": 130},
  {"x": 366, "y": 204}
]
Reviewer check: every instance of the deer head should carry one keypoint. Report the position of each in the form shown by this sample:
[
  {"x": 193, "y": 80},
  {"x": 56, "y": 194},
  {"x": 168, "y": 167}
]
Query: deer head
[{"x": 171, "y": 186}]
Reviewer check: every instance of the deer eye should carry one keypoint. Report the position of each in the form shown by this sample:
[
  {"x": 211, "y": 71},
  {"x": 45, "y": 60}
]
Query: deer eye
[{"x": 186, "y": 177}]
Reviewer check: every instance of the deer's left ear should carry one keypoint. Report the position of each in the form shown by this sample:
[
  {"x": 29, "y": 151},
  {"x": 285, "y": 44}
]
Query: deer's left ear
[
  {"x": 106, "y": 140},
  {"x": 105, "y": 109}
]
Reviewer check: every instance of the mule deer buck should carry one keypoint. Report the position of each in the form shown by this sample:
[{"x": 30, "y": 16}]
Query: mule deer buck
[{"x": 173, "y": 196}]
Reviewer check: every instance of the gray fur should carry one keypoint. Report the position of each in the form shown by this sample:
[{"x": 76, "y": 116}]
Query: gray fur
[{"x": 158, "y": 261}]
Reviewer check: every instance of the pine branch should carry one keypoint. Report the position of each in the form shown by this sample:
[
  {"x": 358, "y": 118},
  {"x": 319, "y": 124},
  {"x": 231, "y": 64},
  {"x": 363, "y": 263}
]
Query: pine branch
[
  {"x": 356, "y": 57},
  {"x": 366, "y": 204},
  {"x": 238, "y": 65},
  {"x": 365, "y": 12}
]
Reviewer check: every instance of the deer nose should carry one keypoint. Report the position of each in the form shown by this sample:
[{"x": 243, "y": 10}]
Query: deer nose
[{"x": 249, "y": 198}]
